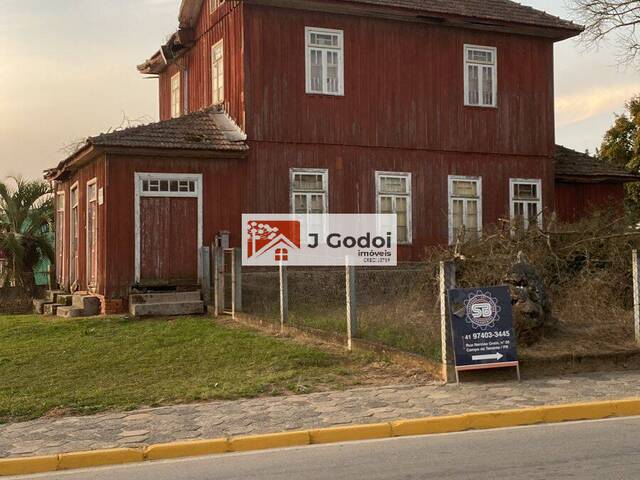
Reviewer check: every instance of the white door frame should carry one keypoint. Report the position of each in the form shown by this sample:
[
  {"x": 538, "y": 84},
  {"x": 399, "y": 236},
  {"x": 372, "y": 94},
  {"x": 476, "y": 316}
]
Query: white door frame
[{"x": 139, "y": 193}]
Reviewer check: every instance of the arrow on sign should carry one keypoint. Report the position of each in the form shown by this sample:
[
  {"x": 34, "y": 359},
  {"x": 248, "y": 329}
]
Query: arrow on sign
[{"x": 493, "y": 356}]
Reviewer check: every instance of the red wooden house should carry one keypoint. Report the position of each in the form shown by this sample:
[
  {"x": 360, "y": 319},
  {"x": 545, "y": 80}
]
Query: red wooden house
[{"x": 440, "y": 112}]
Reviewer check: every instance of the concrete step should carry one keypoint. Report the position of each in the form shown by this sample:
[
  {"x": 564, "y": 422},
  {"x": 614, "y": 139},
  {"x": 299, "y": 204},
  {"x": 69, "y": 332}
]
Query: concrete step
[
  {"x": 64, "y": 299},
  {"x": 39, "y": 304},
  {"x": 166, "y": 309},
  {"x": 165, "y": 297},
  {"x": 69, "y": 312},
  {"x": 89, "y": 304},
  {"x": 51, "y": 309},
  {"x": 50, "y": 295}
]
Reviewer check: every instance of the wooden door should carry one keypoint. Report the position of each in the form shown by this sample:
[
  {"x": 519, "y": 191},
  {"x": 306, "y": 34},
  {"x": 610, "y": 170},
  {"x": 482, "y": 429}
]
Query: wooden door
[{"x": 168, "y": 241}]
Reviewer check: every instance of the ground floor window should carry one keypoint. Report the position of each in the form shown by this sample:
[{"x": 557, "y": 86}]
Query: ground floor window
[
  {"x": 60, "y": 229},
  {"x": 465, "y": 208},
  {"x": 92, "y": 233},
  {"x": 309, "y": 191},
  {"x": 393, "y": 195},
  {"x": 526, "y": 202},
  {"x": 75, "y": 227}
]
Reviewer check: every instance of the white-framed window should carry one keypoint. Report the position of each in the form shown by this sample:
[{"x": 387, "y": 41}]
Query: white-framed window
[
  {"x": 60, "y": 230},
  {"x": 175, "y": 96},
  {"x": 92, "y": 233},
  {"x": 526, "y": 201},
  {"x": 214, "y": 4},
  {"x": 217, "y": 73},
  {"x": 393, "y": 196},
  {"x": 465, "y": 208},
  {"x": 324, "y": 61},
  {"x": 75, "y": 234},
  {"x": 185, "y": 91},
  {"x": 157, "y": 186},
  {"x": 309, "y": 191},
  {"x": 480, "y": 76}
]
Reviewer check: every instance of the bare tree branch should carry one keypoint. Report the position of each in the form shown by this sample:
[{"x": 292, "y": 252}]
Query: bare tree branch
[{"x": 611, "y": 20}]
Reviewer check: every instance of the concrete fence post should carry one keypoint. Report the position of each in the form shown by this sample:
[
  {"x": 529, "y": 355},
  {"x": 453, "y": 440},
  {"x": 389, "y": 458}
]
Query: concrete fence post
[
  {"x": 284, "y": 297},
  {"x": 205, "y": 260},
  {"x": 447, "y": 281},
  {"x": 352, "y": 312},
  {"x": 636, "y": 294}
]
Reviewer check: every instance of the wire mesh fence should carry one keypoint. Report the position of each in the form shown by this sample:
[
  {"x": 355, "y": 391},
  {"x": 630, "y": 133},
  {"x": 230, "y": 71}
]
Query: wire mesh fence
[
  {"x": 261, "y": 293},
  {"x": 400, "y": 307},
  {"x": 397, "y": 307}
]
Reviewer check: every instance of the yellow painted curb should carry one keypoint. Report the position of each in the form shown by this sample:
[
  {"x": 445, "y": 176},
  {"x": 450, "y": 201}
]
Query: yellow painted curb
[
  {"x": 424, "y": 426},
  {"x": 504, "y": 418},
  {"x": 164, "y": 451},
  {"x": 116, "y": 456},
  {"x": 274, "y": 440},
  {"x": 28, "y": 465},
  {"x": 351, "y": 433},
  {"x": 428, "y": 426}
]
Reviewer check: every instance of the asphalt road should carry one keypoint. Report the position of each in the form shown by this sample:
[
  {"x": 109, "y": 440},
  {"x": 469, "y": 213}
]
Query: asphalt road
[{"x": 608, "y": 449}]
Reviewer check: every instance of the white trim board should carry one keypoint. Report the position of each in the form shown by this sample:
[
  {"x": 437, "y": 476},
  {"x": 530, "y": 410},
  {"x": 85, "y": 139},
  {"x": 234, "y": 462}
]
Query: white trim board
[{"x": 138, "y": 179}]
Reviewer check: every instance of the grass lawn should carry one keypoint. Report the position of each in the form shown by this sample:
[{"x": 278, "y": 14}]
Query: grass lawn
[{"x": 88, "y": 365}]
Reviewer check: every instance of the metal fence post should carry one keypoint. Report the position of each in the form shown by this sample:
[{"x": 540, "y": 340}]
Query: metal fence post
[
  {"x": 636, "y": 294},
  {"x": 236, "y": 281},
  {"x": 220, "y": 284},
  {"x": 447, "y": 281},
  {"x": 352, "y": 313},
  {"x": 205, "y": 259},
  {"x": 284, "y": 297},
  {"x": 216, "y": 280}
]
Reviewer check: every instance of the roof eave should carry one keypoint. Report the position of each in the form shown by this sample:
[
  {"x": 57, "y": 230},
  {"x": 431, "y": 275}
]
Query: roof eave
[
  {"x": 597, "y": 178},
  {"x": 408, "y": 13}
]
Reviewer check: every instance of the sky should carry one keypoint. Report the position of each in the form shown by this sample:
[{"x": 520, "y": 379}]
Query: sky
[{"x": 68, "y": 71}]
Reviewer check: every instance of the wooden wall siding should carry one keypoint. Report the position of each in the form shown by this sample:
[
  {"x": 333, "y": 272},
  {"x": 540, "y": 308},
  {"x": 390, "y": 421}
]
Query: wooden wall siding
[
  {"x": 575, "y": 200},
  {"x": 403, "y": 86},
  {"x": 352, "y": 187},
  {"x": 169, "y": 240},
  {"x": 226, "y": 23},
  {"x": 93, "y": 170},
  {"x": 223, "y": 197}
]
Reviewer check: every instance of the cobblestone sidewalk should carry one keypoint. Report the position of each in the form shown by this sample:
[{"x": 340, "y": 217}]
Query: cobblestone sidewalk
[{"x": 264, "y": 415}]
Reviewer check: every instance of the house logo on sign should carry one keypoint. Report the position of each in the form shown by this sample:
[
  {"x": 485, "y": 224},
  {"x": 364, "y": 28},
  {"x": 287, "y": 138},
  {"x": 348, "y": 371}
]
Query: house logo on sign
[
  {"x": 482, "y": 310},
  {"x": 278, "y": 237}
]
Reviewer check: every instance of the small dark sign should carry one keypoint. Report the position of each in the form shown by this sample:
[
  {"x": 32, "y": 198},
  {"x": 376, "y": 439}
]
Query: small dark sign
[{"x": 482, "y": 328}]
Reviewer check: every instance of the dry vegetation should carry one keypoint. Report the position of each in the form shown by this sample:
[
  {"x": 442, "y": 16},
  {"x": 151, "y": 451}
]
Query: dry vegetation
[{"x": 585, "y": 266}]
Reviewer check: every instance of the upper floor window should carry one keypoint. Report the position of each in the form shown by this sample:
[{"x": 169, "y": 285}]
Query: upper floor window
[
  {"x": 526, "y": 202},
  {"x": 393, "y": 192},
  {"x": 175, "y": 96},
  {"x": 217, "y": 73},
  {"x": 309, "y": 191},
  {"x": 325, "y": 61},
  {"x": 480, "y": 76},
  {"x": 214, "y": 4},
  {"x": 465, "y": 208}
]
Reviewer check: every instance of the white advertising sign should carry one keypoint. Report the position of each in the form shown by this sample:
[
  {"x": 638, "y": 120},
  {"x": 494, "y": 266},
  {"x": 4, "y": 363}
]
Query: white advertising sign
[{"x": 319, "y": 240}]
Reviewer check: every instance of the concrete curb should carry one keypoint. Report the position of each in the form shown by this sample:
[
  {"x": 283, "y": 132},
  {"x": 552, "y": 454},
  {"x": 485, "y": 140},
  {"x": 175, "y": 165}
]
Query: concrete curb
[{"x": 400, "y": 428}]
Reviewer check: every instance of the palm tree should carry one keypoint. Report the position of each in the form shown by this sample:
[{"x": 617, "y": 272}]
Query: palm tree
[{"x": 26, "y": 218}]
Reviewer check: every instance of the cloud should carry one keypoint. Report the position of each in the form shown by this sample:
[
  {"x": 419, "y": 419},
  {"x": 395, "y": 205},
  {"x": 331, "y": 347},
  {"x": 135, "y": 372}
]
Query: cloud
[{"x": 592, "y": 102}]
